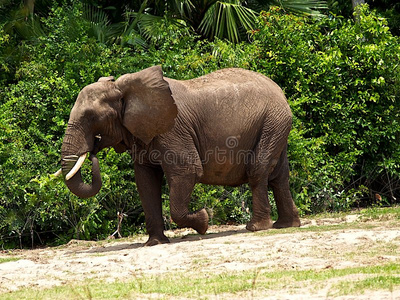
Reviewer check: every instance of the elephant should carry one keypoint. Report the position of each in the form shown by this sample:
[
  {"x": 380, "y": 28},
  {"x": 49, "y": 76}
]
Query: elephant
[{"x": 229, "y": 127}]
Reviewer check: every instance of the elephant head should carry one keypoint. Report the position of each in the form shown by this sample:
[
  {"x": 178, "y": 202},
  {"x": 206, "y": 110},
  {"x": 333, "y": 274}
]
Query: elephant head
[{"x": 109, "y": 113}]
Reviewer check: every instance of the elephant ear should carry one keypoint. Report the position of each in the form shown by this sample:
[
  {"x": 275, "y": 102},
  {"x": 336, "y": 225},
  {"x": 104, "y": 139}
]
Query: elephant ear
[{"x": 150, "y": 109}]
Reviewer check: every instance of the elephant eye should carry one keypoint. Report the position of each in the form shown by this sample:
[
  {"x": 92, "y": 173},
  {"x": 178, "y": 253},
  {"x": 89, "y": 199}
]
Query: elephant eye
[{"x": 98, "y": 136}]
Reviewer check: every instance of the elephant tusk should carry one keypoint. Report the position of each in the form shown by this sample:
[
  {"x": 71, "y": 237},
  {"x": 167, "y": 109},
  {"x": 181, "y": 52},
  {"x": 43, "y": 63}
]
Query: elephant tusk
[
  {"x": 76, "y": 168},
  {"x": 58, "y": 173}
]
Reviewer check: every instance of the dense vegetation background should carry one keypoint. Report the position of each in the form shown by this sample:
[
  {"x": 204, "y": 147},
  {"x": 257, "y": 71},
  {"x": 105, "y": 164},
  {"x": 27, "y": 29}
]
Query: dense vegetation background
[{"x": 341, "y": 76}]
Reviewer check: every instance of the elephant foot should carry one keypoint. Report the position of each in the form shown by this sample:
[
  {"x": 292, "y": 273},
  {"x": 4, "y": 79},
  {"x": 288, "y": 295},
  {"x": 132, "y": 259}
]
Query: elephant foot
[
  {"x": 200, "y": 221},
  {"x": 197, "y": 220},
  {"x": 156, "y": 240},
  {"x": 295, "y": 222},
  {"x": 259, "y": 225}
]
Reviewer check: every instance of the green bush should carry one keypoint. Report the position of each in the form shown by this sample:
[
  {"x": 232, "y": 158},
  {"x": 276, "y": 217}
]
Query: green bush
[
  {"x": 342, "y": 80},
  {"x": 33, "y": 117}
]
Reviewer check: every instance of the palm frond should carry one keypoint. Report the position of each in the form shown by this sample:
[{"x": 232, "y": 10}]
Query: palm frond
[
  {"x": 20, "y": 21},
  {"x": 224, "y": 20},
  {"x": 305, "y": 7},
  {"x": 134, "y": 39},
  {"x": 150, "y": 26},
  {"x": 183, "y": 7},
  {"x": 155, "y": 27},
  {"x": 100, "y": 25}
]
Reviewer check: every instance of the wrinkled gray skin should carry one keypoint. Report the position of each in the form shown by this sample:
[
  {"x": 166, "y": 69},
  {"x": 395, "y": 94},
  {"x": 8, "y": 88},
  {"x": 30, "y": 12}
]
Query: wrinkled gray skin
[{"x": 229, "y": 127}]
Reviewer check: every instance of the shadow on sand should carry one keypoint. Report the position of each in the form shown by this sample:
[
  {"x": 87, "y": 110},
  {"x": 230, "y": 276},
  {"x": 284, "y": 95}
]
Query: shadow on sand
[{"x": 173, "y": 240}]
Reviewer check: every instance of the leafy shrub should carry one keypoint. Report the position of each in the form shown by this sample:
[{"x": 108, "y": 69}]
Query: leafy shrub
[
  {"x": 33, "y": 118},
  {"x": 342, "y": 80}
]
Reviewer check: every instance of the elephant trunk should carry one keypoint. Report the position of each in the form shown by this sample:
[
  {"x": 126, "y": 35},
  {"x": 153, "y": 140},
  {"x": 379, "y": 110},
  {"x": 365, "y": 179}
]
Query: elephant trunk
[{"x": 71, "y": 148}]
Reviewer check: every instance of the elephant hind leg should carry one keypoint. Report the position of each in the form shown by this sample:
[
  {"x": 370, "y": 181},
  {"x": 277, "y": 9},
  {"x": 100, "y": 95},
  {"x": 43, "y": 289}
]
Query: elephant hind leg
[
  {"x": 288, "y": 215},
  {"x": 261, "y": 218},
  {"x": 181, "y": 188},
  {"x": 264, "y": 160}
]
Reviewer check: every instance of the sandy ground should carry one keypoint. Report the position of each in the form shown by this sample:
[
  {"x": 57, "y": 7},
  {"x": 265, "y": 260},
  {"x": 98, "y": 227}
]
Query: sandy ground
[{"x": 223, "y": 249}]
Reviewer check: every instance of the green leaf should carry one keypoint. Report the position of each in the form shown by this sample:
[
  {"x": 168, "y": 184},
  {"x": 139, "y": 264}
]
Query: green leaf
[{"x": 225, "y": 20}]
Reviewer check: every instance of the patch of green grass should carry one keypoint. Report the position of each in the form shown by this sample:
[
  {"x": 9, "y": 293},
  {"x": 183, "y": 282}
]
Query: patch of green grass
[
  {"x": 202, "y": 284},
  {"x": 330, "y": 215},
  {"x": 316, "y": 228},
  {"x": 381, "y": 213},
  {"x": 381, "y": 282},
  {"x": 372, "y": 213},
  {"x": 8, "y": 259}
]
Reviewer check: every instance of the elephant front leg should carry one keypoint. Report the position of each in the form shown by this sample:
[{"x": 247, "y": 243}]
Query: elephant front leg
[
  {"x": 148, "y": 181},
  {"x": 181, "y": 188}
]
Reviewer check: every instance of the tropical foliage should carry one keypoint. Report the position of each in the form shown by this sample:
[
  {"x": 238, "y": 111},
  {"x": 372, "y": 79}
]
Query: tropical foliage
[
  {"x": 341, "y": 78},
  {"x": 210, "y": 18}
]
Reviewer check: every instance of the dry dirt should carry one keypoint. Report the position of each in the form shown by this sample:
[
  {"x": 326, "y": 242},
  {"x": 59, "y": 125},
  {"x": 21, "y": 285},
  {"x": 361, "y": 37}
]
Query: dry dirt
[{"x": 223, "y": 249}]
